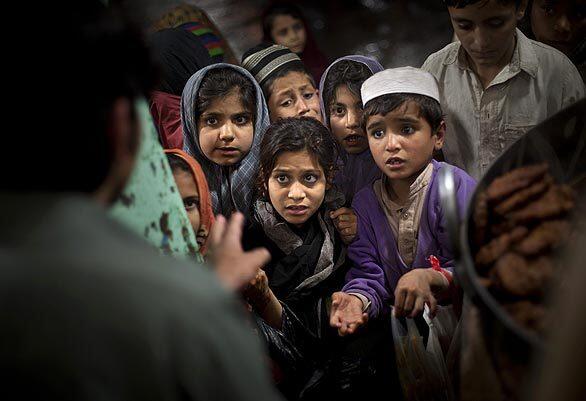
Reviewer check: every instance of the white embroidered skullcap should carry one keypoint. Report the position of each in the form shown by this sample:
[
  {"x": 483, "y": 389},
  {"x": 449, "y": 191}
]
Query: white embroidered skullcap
[{"x": 399, "y": 80}]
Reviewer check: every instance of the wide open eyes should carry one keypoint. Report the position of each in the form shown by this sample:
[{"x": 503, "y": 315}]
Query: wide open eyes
[
  {"x": 282, "y": 178},
  {"x": 191, "y": 203},
  {"x": 338, "y": 111},
  {"x": 378, "y": 133},
  {"x": 310, "y": 178},
  {"x": 241, "y": 119},
  {"x": 211, "y": 121}
]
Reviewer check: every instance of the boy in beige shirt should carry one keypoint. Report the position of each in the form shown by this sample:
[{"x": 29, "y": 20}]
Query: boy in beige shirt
[{"x": 495, "y": 83}]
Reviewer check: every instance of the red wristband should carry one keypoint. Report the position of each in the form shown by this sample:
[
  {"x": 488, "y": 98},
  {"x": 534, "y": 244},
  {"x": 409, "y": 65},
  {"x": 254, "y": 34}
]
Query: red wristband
[{"x": 435, "y": 265}]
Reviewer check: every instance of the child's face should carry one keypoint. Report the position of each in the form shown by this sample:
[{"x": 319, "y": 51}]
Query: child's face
[
  {"x": 560, "y": 24},
  {"x": 289, "y": 32},
  {"x": 296, "y": 186},
  {"x": 226, "y": 130},
  {"x": 294, "y": 96},
  {"x": 487, "y": 30},
  {"x": 345, "y": 121},
  {"x": 190, "y": 195},
  {"x": 401, "y": 142}
]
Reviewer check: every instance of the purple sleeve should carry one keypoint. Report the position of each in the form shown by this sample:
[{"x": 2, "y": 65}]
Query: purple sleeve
[
  {"x": 465, "y": 186},
  {"x": 366, "y": 276}
]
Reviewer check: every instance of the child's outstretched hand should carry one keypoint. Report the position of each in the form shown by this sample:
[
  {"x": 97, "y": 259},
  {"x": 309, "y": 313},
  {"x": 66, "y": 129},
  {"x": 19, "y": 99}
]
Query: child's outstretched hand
[
  {"x": 414, "y": 290},
  {"x": 258, "y": 293},
  {"x": 346, "y": 223},
  {"x": 346, "y": 313}
]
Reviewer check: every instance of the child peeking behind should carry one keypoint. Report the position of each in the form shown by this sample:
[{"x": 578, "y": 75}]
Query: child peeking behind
[
  {"x": 289, "y": 89},
  {"x": 193, "y": 189},
  {"x": 224, "y": 117},
  {"x": 400, "y": 218},
  {"x": 283, "y": 23},
  {"x": 341, "y": 108}
]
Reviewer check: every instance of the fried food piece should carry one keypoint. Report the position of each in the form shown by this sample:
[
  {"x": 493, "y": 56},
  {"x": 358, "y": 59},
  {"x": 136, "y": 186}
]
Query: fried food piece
[
  {"x": 523, "y": 196},
  {"x": 485, "y": 282},
  {"x": 558, "y": 200},
  {"x": 501, "y": 228},
  {"x": 480, "y": 217},
  {"x": 521, "y": 277},
  {"x": 489, "y": 253},
  {"x": 544, "y": 237},
  {"x": 527, "y": 314},
  {"x": 514, "y": 180},
  {"x": 519, "y": 218}
]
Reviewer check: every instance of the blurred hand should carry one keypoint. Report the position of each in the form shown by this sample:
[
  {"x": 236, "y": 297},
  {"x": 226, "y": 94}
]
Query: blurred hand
[
  {"x": 346, "y": 223},
  {"x": 234, "y": 267},
  {"x": 346, "y": 313}
]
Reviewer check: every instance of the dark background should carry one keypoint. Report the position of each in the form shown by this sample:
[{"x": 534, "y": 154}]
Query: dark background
[{"x": 395, "y": 32}]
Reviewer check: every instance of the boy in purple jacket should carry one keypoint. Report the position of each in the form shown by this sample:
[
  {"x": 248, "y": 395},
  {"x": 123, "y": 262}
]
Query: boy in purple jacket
[{"x": 400, "y": 218}]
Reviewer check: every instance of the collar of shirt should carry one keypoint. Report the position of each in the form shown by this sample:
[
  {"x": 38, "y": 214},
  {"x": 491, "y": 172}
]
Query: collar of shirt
[
  {"x": 419, "y": 184},
  {"x": 524, "y": 59}
]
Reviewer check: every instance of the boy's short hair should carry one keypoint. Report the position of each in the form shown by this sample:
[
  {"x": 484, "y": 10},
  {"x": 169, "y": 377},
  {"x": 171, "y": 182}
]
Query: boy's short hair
[
  {"x": 88, "y": 40},
  {"x": 429, "y": 108},
  {"x": 464, "y": 3},
  {"x": 345, "y": 72}
]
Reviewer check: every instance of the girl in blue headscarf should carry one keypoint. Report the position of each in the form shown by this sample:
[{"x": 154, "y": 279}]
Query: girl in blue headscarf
[{"x": 224, "y": 116}]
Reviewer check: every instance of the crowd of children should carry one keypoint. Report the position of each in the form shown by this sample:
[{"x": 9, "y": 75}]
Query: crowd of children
[
  {"x": 339, "y": 181},
  {"x": 335, "y": 170}
]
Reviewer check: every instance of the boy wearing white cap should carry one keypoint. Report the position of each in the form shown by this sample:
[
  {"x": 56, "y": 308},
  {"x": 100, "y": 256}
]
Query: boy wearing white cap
[{"x": 400, "y": 219}]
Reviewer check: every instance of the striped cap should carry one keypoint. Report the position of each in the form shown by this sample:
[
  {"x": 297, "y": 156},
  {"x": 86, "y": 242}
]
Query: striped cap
[{"x": 265, "y": 60}]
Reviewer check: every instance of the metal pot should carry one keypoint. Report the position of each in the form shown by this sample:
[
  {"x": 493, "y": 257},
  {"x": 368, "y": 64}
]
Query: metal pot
[{"x": 559, "y": 141}]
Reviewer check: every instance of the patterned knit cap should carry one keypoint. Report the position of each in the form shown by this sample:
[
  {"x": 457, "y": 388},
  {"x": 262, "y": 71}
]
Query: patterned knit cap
[{"x": 266, "y": 60}]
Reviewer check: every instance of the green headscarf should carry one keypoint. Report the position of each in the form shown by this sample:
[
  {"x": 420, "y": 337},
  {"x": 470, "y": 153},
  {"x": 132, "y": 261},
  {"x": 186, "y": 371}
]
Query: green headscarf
[{"x": 150, "y": 204}]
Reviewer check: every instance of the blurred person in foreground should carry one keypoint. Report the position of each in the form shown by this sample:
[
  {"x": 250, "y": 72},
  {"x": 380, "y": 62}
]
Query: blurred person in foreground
[{"x": 88, "y": 310}]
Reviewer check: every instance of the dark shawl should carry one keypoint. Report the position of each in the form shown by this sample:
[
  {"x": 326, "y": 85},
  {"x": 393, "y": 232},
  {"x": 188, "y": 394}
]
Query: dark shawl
[
  {"x": 308, "y": 264},
  {"x": 180, "y": 54}
]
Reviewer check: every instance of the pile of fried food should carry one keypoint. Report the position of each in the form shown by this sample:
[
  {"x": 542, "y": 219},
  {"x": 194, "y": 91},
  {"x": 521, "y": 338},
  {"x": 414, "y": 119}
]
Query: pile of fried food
[{"x": 521, "y": 219}]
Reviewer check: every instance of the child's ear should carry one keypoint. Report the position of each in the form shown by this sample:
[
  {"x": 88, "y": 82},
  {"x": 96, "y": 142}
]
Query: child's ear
[{"x": 440, "y": 135}]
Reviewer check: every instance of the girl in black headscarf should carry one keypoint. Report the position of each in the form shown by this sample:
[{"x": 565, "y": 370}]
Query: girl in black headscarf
[{"x": 180, "y": 54}]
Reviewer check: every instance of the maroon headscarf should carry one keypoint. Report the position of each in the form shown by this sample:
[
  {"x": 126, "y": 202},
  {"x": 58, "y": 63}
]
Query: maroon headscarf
[{"x": 166, "y": 112}]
